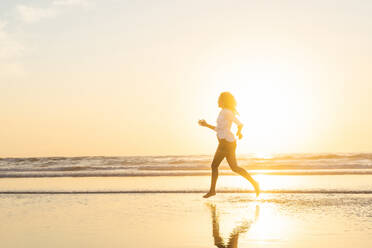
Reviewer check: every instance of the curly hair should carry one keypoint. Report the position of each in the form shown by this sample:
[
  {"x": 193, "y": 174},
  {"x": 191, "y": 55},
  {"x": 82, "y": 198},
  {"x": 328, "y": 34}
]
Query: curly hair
[{"x": 227, "y": 100}]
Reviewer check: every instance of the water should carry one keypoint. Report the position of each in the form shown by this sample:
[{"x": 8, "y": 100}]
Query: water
[
  {"x": 192, "y": 165},
  {"x": 186, "y": 220},
  {"x": 307, "y": 200}
]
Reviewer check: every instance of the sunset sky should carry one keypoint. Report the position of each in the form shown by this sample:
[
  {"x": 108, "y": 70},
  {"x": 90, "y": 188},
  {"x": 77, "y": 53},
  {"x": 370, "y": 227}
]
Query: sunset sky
[{"x": 81, "y": 77}]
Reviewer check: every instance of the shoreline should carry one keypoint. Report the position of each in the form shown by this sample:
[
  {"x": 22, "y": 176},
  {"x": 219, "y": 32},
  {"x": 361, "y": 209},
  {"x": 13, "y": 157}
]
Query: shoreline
[
  {"x": 179, "y": 173},
  {"x": 174, "y": 184},
  {"x": 362, "y": 192}
]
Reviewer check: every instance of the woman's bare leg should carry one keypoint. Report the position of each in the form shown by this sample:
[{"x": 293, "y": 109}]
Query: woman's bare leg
[
  {"x": 218, "y": 157},
  {"x": 231, "y": 159}
]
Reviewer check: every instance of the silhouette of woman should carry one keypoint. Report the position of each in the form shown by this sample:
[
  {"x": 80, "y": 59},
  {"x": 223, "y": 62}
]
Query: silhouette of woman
[
  {"x": 234, "y": 235},
  {"x": 227, "y": 142}
]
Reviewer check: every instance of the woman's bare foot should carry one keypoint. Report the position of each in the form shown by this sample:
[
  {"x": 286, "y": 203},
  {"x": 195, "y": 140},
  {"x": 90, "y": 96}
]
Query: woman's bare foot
[{"x": 209, "y": 194}]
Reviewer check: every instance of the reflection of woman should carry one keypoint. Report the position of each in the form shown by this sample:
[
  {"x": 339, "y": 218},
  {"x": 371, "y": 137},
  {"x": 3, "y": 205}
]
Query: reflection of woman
[
  {"x": 227, "y": 143},
  {"x": 234, "y": 235}
]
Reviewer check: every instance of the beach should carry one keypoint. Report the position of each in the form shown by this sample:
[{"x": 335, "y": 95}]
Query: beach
[
  {"x": 118, "y": 117},
  {"x": 306, "y": 211}
]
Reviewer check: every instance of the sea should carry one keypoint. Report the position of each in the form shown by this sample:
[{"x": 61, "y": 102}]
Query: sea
[
  {"x": 186, "y": 165},
  {"x": 306, "y": 200}
]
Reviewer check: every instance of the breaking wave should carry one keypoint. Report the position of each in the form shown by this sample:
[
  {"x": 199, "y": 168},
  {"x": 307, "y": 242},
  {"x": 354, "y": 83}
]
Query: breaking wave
[{"x": 193, "y": 165}]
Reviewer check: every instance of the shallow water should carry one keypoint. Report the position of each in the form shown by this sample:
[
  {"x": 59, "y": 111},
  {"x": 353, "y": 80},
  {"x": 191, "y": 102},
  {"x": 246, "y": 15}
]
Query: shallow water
[
  {"x": 185, "y": 220},
  {"x": 303, "y": 211},
  {"x": 189, "y": 184}
]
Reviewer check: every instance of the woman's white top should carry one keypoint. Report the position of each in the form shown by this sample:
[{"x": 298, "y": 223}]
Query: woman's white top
[{"x": 224, "y": 121}]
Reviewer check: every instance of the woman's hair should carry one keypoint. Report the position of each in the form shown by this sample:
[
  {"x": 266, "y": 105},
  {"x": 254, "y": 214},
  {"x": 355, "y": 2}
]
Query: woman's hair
[{"x": 227, "y": 100}]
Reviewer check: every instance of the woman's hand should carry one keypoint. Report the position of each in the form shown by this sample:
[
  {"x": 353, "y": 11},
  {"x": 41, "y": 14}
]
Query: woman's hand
[
  {"x": 202, "y": 123},
  {"x": 239, "y": 134}
]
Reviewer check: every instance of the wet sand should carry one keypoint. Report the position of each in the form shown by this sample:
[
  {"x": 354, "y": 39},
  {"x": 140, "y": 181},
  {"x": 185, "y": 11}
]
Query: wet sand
[
  {"x": 190, "y": 184},
  {"x": 170, "y": 212},
  {"x": 186, "y": 220}
]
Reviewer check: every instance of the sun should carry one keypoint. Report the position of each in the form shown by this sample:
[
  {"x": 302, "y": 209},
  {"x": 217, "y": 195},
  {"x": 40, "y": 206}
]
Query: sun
[{"x": 274, "y": 102}]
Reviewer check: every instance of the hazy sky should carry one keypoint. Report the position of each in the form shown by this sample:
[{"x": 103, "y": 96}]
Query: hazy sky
[{"x": 82, "y": 77}]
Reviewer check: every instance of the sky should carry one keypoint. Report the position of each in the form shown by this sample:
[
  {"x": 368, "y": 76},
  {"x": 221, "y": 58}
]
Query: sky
[{"x": 116, "y": 78}]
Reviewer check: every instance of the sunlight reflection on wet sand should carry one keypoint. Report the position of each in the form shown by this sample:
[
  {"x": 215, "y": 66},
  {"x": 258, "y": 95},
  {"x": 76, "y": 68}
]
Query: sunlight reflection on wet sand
[{"x": 186, "y": 220}]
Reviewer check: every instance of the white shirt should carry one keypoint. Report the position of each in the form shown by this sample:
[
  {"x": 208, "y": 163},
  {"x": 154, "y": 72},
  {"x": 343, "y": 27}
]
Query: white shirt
[{"x": 224, "y": 121}]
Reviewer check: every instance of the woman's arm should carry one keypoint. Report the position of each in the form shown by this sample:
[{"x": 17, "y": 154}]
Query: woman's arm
[
  {"x": 203, "y": 123},
  {"x": 239, "y": 132},
  {"x": 238, "y": 123}
]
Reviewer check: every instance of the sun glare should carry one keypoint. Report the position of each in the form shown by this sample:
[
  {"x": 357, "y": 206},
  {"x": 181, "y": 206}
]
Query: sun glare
[
  {"x": 270, "y": 226},
  {"x": 267, "y": 182},
  {"x": 275, "y": 105}
]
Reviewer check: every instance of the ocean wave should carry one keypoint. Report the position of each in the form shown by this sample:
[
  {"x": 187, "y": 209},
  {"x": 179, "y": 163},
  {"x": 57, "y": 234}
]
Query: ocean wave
[
  {"x": 65, "y": 168},
  {"x": 279, "y": 164},
  {"x": 193, "y": 192},
  {"x": 151, "y": 173}
]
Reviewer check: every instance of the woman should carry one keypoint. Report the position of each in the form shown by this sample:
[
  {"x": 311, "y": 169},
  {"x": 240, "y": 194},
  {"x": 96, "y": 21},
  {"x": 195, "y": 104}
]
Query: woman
[{"x": 227, "y": 143}]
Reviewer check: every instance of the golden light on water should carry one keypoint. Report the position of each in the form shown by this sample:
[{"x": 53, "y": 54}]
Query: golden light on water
[
  {"x": 267, "y": 182},
  {"x": 263, "y": 155},
  {"x": 270, "y": 226},
  {"x": 257, "y": 222}
]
